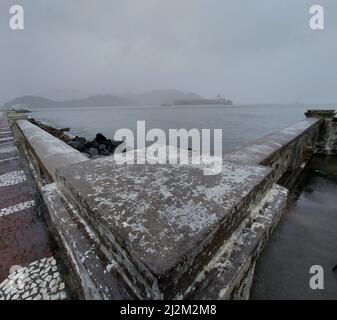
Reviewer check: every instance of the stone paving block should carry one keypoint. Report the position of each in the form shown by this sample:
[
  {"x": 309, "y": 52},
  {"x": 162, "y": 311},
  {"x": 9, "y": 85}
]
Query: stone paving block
[
  {"x": 18, "y": 207},
  {"x": 39, "y": 280},
  {"x": 7, "y": 149}
]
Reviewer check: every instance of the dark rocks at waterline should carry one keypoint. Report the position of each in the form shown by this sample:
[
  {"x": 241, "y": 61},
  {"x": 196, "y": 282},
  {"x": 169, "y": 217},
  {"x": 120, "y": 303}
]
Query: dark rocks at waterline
[{"x": 100, "y": 146}]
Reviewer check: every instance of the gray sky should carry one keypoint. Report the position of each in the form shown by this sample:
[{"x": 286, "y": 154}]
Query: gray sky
[{"x": 249, "y": 50}]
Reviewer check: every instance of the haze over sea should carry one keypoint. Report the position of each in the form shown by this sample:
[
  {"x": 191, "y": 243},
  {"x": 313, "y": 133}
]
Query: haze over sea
[{"x": 240, "y": 123}]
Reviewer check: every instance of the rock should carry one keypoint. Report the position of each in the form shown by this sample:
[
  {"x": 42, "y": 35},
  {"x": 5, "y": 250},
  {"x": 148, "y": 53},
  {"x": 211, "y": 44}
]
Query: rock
[
  {"x": 101, "y": 148},
  {"x": 73, "y": 144},
  {"x": 93, "y": 151},
  {"x": 89, "y": 145},
  {"x": 100, "y": 138},
  {"x": 98, "y": 146},
  {"x": 81, "y": 144},
  {"x": 96, "y": 157},
  {"x": 116, "y": 143},
  {"x": 82, "y": 140},
  {"x": 106, "y": 153}
]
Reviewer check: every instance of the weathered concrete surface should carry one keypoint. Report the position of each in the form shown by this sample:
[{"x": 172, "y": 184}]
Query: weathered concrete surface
[
  {"x": 162, "y": 222},
  {"x": 265, "y": 147},
  {"x": 327, "y": 142},
  {"x": 328, "y": 138},
  {"x": 47, "y": 150},
  {"x": 229, "y": 274},
  {"x": 287, "y": 152},
  {"x": 92, "y": 276}
]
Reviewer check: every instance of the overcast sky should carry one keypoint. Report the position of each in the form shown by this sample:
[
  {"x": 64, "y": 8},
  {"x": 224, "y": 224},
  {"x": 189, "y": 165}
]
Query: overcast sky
[{"x": 253, "y": 51}]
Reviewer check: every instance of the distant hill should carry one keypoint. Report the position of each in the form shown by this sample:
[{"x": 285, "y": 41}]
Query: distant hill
[
  {"x": 156, "y": 97},
  {"x": 30, "y": 101},
  {"x": 93, "y": 101}
]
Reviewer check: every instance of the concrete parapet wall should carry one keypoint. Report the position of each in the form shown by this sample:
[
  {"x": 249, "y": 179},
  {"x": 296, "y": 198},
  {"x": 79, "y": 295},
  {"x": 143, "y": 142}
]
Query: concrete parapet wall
[
  {"x": 168, "y": 231},
  {"x": 45, "y": 152},
  {"x": 286, "y": 151}
]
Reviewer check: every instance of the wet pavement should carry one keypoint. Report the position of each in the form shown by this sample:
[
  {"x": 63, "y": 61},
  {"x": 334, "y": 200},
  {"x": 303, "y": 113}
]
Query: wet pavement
[
  {"x": 306, "y": 236},
  {"x": 27, "y": 266}
]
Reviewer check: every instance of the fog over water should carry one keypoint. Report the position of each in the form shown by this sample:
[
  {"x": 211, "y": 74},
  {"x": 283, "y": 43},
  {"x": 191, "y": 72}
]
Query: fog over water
[{"x": 258, "y": 51}]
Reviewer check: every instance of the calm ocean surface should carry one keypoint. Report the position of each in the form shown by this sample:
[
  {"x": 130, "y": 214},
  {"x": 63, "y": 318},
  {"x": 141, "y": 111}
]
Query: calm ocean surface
[{"x": 240, "y": 123}]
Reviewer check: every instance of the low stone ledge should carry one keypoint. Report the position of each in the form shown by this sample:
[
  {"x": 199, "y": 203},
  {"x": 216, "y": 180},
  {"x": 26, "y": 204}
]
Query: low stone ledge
[
  {"x": 93, "y": 277},
  {"x": 136, "y": 209},
  {"x": 49, "y": 151},
  {"x": 227, "y": 276},
  {"x": 262, "y": 149},
  {"x": 230, "y": 274},
  {"x": 283, "y": 151}
]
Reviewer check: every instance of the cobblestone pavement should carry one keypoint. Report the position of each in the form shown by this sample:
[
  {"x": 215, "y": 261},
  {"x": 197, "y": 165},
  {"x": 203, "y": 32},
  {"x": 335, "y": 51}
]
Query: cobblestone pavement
[{"x": 28, "y": 269}]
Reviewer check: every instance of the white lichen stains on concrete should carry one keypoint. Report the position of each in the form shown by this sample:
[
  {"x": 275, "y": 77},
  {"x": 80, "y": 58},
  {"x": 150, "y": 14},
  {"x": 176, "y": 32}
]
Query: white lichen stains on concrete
[
  {"x": 135, "y": 199},
  {"x": 159, "y": 216},
  {"x": 232, "y": 266}
]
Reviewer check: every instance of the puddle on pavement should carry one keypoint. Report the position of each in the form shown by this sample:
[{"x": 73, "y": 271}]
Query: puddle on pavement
[{"x": 306, "y": 236}]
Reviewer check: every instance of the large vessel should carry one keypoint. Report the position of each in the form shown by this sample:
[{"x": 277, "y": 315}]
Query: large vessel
[{"x": 203, "y": 102}]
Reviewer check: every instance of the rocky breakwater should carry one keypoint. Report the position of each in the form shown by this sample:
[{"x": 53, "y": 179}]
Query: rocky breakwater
[{"x": 100, "y": 146}]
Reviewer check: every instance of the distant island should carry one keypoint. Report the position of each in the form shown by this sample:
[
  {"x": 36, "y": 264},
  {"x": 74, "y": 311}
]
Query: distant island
[
  {"x": 219, "y": 100},
  {"x": 98, "y": 100},
  {"x": 155, "y": 97},
  {"x": 202, "y": 102}
]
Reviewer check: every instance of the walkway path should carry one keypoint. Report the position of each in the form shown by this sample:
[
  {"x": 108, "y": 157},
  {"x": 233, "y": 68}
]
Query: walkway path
[{"x": 28, "y": 269}]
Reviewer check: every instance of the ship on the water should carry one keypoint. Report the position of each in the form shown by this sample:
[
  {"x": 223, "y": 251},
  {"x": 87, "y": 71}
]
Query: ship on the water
[
  {"x": 203, "y": 102},
  {"x": 217, "y": 101}
]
